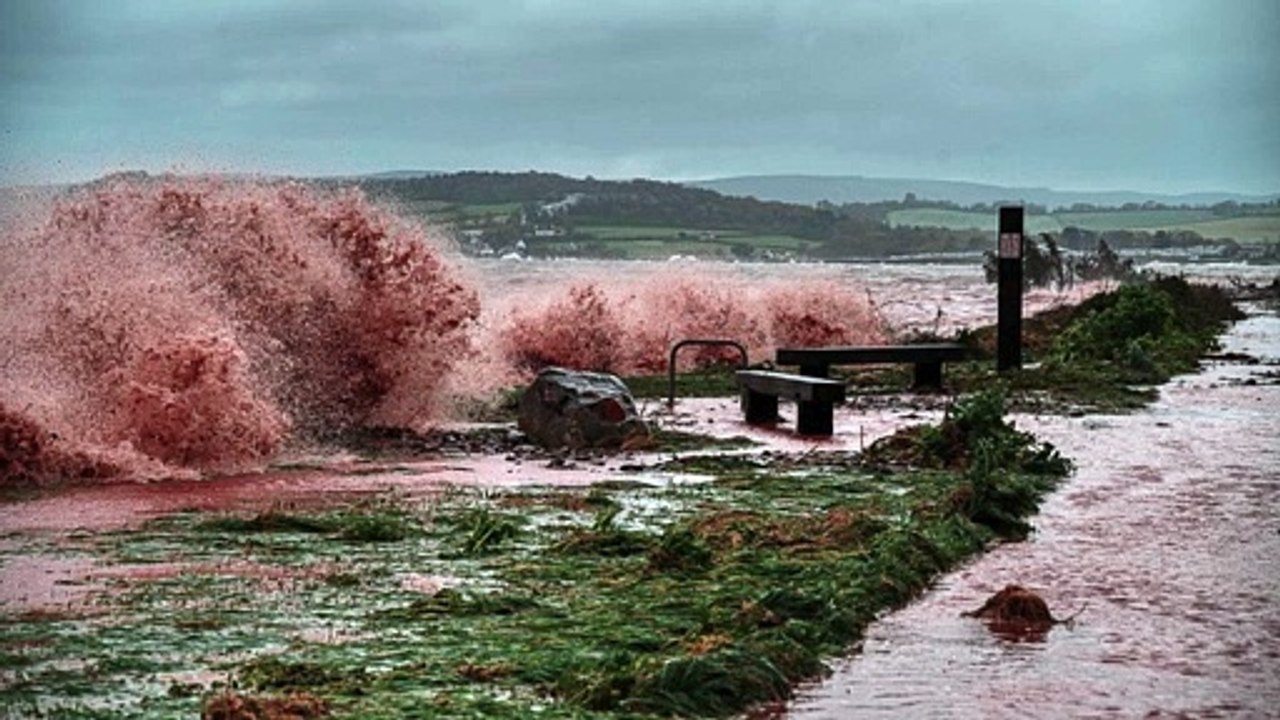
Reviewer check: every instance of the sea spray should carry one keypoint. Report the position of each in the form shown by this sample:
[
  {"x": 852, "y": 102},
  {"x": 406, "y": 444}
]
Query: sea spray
[
  {"x": 582, "y": 331},
  {"x": 822, "y": 313},
  {"x": 161, "y": 326},
  {"x": 630, "y": 324},
  {"x": 203, "y": 322}
]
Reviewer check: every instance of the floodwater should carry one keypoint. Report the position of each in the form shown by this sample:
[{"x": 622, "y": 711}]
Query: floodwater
[
  {"x": 1167, "y": 540},
  {"x": 1169, "y": 532},
  {"x": 910, "y": 297}
]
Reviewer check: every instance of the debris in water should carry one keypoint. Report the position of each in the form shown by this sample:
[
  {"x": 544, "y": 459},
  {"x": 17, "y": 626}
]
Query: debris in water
[{"x": 1017, "y": 613}]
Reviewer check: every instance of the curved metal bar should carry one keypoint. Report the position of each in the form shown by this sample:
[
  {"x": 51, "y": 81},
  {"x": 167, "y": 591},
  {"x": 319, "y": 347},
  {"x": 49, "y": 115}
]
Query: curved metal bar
[{"x": 671, "y": 361}]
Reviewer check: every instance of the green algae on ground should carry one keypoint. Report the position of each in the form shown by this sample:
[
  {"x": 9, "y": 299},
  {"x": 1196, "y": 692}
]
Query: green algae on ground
[{"x": 695, "y": 599}]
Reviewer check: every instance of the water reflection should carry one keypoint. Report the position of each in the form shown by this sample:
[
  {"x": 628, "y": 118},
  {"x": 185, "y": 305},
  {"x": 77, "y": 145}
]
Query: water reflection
[{"x": 1170, "y": 531}]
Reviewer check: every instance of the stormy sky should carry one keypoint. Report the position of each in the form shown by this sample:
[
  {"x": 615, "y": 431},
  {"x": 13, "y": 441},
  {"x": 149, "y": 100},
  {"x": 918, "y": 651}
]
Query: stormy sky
[{"x": 1154, "y": 95}]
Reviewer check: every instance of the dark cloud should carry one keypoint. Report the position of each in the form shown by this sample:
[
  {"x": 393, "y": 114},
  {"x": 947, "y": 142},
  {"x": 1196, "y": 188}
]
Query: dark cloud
[{"x": 1156, "y": 95}]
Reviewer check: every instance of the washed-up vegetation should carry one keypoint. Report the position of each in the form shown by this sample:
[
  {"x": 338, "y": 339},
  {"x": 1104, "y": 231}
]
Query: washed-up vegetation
[
  {"x": 1141, "y": 334},
  {"x": 623, "y": 600},
  {"x": 1109, "y": 352}
]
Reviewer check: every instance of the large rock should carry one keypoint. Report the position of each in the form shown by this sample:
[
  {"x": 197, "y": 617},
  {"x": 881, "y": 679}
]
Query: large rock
[{"x": 567, "y": 408}]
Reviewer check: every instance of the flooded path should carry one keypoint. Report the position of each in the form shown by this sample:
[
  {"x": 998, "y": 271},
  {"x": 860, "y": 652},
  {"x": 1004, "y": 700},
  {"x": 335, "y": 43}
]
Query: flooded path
[{"x": 1168, "y": 535}]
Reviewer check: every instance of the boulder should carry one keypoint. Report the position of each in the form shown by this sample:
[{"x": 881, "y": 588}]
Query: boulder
[{"x": 568, "y": 408}]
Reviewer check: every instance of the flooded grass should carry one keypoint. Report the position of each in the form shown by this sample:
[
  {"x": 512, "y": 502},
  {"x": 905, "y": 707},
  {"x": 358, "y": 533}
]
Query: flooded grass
[
  {"x": 1106, "y": 355},
  {"x": 697, "y": 599}
]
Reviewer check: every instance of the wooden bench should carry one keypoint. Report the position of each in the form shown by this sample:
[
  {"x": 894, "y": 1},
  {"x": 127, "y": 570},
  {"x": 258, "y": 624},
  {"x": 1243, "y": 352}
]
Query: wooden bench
[
  {"x": 927, "y": 358},
  {"x": 815, "y": 399}
]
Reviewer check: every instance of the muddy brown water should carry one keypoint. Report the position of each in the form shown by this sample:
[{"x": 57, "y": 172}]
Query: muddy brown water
[{"x": 1168, "y": 536}]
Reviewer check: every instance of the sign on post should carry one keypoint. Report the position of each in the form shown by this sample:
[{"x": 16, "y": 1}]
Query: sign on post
[
  {"x": 1009, "y": 319},
  {"x": 1011, "y": 245}
]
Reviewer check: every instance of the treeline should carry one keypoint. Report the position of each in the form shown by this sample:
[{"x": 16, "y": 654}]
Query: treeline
[
  {"x": 837, "y": 232},
  {"x": 910, "y": 201},
  {"x": 658, "y": 204},
  {"x": 1074, "y": 238},
  {"x": 485, "y": 188}
]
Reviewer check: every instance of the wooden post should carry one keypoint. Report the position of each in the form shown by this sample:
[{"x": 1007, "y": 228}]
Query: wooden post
[{"x": 1009, "y": 321}]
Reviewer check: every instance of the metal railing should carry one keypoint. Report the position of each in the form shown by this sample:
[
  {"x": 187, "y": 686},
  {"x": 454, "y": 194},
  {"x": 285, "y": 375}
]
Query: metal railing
[{"x": 671, "y": 361}]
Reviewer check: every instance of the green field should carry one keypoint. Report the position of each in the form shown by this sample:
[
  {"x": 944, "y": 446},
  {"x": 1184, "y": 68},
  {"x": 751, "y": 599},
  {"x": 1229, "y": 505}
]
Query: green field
[
  {"x": 1251, "y": 228},
  {"x": 641, "y": 232},
  {"x": 662, "y": 249},
  {"x": 965, "y": 220},
  {"x": 1132, "y": 220},
  {"x": 1246, "y": 229},
  {"x": 776, "y": 242},
  {"x": 637, "y": 249},
  {"x": 497, "y": 209},
  {"x": 639, "y": 242}
]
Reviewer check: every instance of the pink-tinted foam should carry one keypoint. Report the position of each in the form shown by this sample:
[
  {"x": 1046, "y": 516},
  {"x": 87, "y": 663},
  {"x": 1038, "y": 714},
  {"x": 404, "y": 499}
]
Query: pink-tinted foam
[
  {"x": 629, "y": 324},
  {"x": 199, "y": 322}
]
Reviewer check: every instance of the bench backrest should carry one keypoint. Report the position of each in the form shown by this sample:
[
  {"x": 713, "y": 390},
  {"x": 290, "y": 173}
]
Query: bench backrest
[{"x": 923, "y": 353}]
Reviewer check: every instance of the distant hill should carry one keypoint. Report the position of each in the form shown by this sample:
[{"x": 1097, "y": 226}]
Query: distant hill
[
  {"x": 810, "y": 189},
  {"x": 402, "y": 174},
  {"x": 398, "y": 175},
  {"x": 557, "y": 216}
]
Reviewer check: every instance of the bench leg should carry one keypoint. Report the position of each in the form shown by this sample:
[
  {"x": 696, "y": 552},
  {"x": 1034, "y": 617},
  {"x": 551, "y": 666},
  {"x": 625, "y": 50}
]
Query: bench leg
[
  {"x": 928, "y": 375},
  {"x": 814, "y": 418},
  {"x": 759, "y": 407},
  {"x": 818, "y": 371}
]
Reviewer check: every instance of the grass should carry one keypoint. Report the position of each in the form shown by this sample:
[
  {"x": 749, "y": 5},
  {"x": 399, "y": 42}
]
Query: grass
[
  {"x": 628, "y": 232},
  {"x": 641, "y": 232},
  {"x": 1250, "y": 229},
  {"x": 634, "y": 249},
  {"x": 648, "y": 249},
  {"x": 965, "y": 220},
  {"x": 1110, "y": 352},
  {"x": 1244, "y": 229},
  {"x": 775, "y": 242},
  {"x": 1134, "y": 219},
  {"x": 1107, "y": 354},
  {"x": 707, "y": 382},
  {"x": 628, "y": 601},
  {"x": 641, "y": 242},
  {"x": 490, "y": 211},
  {"x": 354, "y": 525}
]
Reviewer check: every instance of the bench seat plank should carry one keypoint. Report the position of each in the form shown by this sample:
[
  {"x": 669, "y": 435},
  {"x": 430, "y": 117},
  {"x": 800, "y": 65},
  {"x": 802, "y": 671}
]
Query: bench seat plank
[
  {"x": 793, "y": 387},
  {"x": 815, "y": 399}
]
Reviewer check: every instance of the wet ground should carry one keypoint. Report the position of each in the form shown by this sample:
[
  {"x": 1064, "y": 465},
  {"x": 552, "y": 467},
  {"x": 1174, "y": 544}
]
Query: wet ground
[
  {"x": 1168, "y": 537},
  {"x": 323, "y": 481}
]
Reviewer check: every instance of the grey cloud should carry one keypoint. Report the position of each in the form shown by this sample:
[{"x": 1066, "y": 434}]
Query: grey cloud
[{"x": 1169, "y": 95}]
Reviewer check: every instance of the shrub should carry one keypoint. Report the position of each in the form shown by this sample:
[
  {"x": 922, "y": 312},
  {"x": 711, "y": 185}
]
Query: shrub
[{"x": 1139, "y": 331}]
